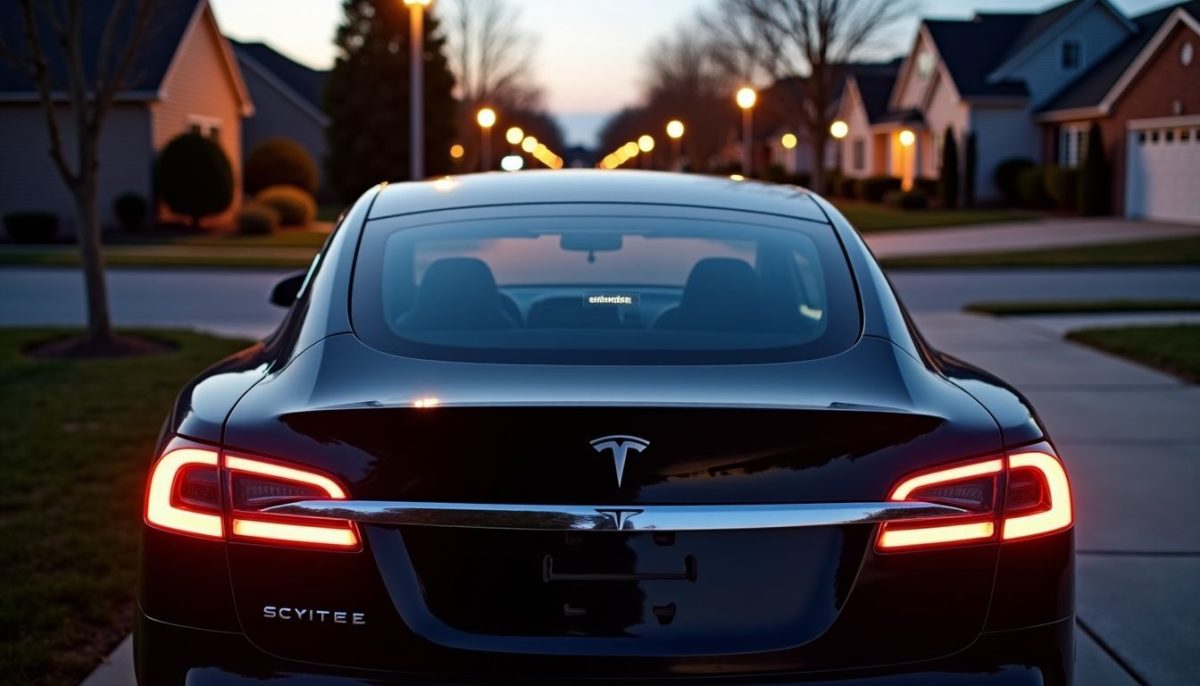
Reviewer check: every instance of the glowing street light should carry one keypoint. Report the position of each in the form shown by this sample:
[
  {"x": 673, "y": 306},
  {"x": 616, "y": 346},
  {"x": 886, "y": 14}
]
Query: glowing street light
[
  {"x": 511, "y": 163},
  {"x": 529, "y": 144},
  {"x": 416, "y": 99},
  {"x": 838, "y": 129},
  {"x": 514, "y": 135},
  {"x": 486, "y": 118},
  {"x": 745, "y": 98},
  {"x": 788, "y": 140},
  {"x": 645, "y": 143},
  {"x": 675, "y": 133},
  {"x": 457, "y": 151}
]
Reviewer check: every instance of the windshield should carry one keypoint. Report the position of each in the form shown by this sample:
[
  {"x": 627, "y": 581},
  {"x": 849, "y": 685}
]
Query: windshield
[{"x": 604, "y": 290}]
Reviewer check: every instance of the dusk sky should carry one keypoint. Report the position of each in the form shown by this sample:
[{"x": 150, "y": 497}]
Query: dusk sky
[{"x": 588, "y": 51}]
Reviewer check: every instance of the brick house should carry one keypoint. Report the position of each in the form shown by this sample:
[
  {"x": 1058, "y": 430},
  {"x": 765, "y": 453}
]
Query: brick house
[{"x": 185, "y": 79}]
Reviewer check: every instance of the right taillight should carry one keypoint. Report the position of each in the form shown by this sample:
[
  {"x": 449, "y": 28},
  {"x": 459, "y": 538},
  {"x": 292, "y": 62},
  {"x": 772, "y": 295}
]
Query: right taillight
[
  {"x": 185, "y": 495},
  {"x": 1037, "y": 500}
]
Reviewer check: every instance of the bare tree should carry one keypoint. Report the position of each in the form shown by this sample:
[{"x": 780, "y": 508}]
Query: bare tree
[
  {"x": 810, "y": 38},
  {"x": 490, "y": 55},
  {"x": 82, "y": 95}
]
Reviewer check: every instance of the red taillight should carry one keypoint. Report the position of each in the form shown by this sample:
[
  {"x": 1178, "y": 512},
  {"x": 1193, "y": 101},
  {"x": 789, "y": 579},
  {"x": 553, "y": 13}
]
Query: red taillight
[
  {"x": 1037, "y": 501},
  {"x": 179, "y": 497},
  {"x": 256, "y": 485},
  {"x": 184, "y": 495}
]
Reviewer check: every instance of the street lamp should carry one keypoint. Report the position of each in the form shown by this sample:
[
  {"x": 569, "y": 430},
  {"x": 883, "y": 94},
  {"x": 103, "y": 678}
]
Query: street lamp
[
  {"x": 645, "y": 143},
  {"x": 529, "y": 144},
  {"x": 838, "y": 129},
  {"x": 675, "y": 133},
  {"x": 745, "y": 98},
  {"x": 788, "y": 140},
  {"x": 514, "y": 135},
  {"x": 486, "y": 117},
  {"x": 416, "y": 97}
]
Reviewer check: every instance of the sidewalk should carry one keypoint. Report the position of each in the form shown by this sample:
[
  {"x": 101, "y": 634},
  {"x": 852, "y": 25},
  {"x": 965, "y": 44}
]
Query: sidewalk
[
  {"x": 1131, "y": 440},
  {"x": 1049, "y": 233}
]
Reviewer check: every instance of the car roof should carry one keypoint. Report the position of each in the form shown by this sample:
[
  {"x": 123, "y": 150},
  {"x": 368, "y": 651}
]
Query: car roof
[{"x": 594, "y": 186}]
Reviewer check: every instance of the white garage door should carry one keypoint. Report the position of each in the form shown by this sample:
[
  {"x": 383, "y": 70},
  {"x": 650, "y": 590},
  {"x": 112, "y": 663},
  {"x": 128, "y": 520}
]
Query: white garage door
[{"x": 1163, "y": 173}]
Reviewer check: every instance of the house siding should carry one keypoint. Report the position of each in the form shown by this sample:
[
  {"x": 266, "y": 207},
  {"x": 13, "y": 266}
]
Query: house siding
[
  {"x": 944, "y": 109},
  {"x": 32, "y": 182},
  {"x": 913, "y": 89},
  {"x": 1099, "y": 31},
  {"x": 1001, "y": 133},
  {"x": 854, "y": 114},
  {"x": 200, "y": 85}
]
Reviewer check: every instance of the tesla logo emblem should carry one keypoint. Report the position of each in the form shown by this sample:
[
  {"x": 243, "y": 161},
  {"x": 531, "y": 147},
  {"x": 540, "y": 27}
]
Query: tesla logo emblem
[
  {"x": 620, "y": 447},
  {"x": 619, "y": 518}
]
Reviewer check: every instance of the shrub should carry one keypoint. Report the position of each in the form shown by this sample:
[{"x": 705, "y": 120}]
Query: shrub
[
  {"x": 872, "y": 188},
  {"x": 947, "y": 188},
  {"x": 31, "y": 227},
  {"x": 279, "y": 161},
  {"x": 926, "y": 185},
  {"x": 846, "y": 187},
  {"x": 130, "y": 209},
  {"x": 257, "y": 219},
  {"x": 193, "y": 177},
  {"x": 970, "y": 163},
  {"x": 1062, "y": 184},
  {"x": 907, "y": 200},
  {"x": 776, "y": 174},
  {"x": 800, "y": 179},
  {"x": 1005, "y": 177},
  {"x": 295, "y": 207},
  {"x": 1094, "y": 183},
  {"x": 1031, "y": 187}
]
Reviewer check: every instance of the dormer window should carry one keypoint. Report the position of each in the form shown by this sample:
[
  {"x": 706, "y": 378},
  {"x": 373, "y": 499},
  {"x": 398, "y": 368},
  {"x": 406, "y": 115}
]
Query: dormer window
[{"x": 1071, "y": 54}]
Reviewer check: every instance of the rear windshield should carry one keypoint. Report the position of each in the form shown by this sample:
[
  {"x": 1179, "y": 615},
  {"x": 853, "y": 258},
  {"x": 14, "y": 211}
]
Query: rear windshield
[{"x": 602, "y": 289}]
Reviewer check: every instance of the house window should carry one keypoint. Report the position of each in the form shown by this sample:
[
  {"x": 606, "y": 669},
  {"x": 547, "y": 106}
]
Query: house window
[
  {"x": 1072, "y": 140},
  {"x": 205, "y": 126},
  {"x": 925, "y": 65},
  {"x": 1071, "y": 54},
  {"x": 1185, "y": 54},
  {"x": 859, "y": 153}
]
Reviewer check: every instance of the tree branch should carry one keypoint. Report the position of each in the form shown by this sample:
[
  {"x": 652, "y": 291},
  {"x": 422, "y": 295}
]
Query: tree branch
[{"x": 39, "y": 71}]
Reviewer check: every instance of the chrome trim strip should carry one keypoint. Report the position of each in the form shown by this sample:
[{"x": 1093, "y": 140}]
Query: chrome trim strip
[{"x": 615, "y": 517}]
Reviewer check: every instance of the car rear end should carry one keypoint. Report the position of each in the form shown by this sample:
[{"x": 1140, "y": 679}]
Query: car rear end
[{"x": 513, "y": 485}]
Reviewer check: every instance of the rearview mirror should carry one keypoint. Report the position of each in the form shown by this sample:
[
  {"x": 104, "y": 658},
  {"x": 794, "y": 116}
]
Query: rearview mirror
[
  {"x": 284, "y": 293},
  {"x": 590, "y": 242}
]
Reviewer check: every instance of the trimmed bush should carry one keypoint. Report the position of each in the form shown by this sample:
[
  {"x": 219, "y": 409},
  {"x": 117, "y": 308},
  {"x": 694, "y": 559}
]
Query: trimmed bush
[
  {"x": 279, "y": 161},
  {"x": 1095, "y": 186},
  {"x": 802, "y": 179},
  {"x": 1031, "y": 187},
  {"x": 776, "y": 174},
  {"x": 131, "y": 209},
  {"x": 194, "y": 177},
  {"x": 1006, "y": 175},
  {"x": 947, "y": 189},
  {"x": 846, "y": 187},
  {"x": 873, "y": 188},
  {"x": 907, "y": 200},
  {"x": 1062, "y": 185},
  {"x": 970, "y": 163},
  {"x": 926, "y": 185},
  {"x": 31, "y": 227},
  {"x": 295, "y": 207},
  {"x": 257, "y": 219}
]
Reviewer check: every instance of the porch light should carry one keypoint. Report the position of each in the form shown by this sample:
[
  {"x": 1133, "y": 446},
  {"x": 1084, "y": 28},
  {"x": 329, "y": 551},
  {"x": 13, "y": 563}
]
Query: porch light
[
  {"x": 838, "y": 129},
  {"x": 907, "y": 138}
]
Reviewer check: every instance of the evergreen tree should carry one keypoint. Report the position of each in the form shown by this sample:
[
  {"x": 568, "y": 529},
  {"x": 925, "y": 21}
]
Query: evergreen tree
[
  {"x": 1094, "y": 185},
  {"x": 969, "y": 165},
  {"x": 948, "y": 182},
  {"x": 367, "y": 99}
]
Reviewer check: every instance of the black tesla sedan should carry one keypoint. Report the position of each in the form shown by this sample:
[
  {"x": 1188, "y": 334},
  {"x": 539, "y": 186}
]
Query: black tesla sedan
[{"x": 601, "y": 427}]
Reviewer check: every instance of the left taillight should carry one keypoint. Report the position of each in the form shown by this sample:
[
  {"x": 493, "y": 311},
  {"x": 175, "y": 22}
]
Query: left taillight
[
  {"x": 1036, "y": 500},
  {"x": 195, "y": 491}
]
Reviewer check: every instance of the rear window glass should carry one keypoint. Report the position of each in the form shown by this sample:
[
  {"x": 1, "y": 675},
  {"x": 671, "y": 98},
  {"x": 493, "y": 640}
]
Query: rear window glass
[{"x": 600, "y": 289}]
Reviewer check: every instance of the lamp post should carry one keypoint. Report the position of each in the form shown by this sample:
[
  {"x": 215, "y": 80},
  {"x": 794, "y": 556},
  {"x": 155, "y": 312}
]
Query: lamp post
[
  {"x": 675, "y": 133},
  {"x": 486, "y": 117},
  {"x": 839, "y": 130},
  {"x": 645, "y": 143},
  {"x": 416, "y": 97},
  {"x": 746, "y": 97}
]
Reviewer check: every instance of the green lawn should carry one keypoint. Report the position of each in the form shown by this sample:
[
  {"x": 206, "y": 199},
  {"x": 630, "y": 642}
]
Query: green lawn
[
  {"x": 77, "y": 437},
  {"x": 871, "y": 217},
  {"x": 1083, "y": 306},
  {"x": 1175, "y": 349},
  {"x": 1153, "y": 253}
]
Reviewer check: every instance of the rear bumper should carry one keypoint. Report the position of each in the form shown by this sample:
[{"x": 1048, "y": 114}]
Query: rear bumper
[{"x": 167, "y": 654}]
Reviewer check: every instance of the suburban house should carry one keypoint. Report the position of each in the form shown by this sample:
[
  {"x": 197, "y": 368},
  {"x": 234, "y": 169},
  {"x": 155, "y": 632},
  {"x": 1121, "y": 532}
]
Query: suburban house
[
  {"x": 1027, "y": 86},
  {"x": 287, "y": 99},
  {"x": 185, "y": 79}
]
